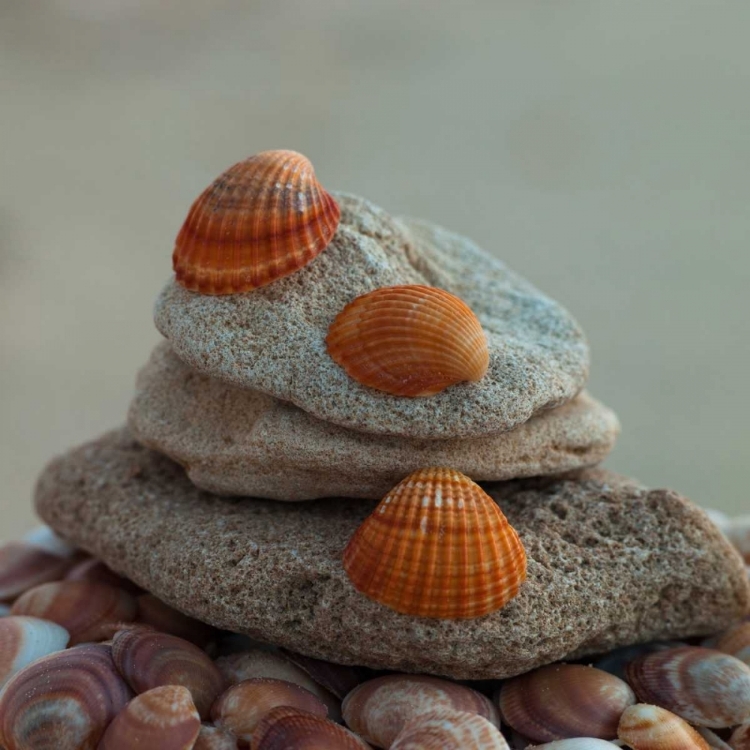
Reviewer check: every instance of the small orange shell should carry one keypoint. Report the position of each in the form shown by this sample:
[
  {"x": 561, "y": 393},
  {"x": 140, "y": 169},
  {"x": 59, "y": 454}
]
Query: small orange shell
[
  {"x": 437, "y": 546},
  {"x": 263, "y": 219},
  {"x": 645, "y": 727},
  {"x": 409, "y": 341},
  {"x": 163, "y": 718}
]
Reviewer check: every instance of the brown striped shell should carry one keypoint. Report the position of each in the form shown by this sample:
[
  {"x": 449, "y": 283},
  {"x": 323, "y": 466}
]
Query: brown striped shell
[
  {"x": 339, "y": 679},
  {"x": 23, "y": 640},
  {"x": 561, "y": 701},
  {"x": 450, "y": 730},
  {"x": 702, "y": 686},
  {"x": 379, "y": 709},
  {"x": 262, "y": 219},
  {"x": 147, "y": 659},
  {"x": 163, "y": 718},
  {"x": 63, "y": 701},
  {"x": 256, "y": 662},
  {"x": 86, "y": 610},
  {"x": 23, "y": 566},
  {"x": 645, "y": 727},
  {"x": 242, "y": 706},
  {"x": 409, "y": 341},
  {"x": 574, "y": 743},
  {"x": 286, "y": 727},
  {"x": 437, "y": 546}
]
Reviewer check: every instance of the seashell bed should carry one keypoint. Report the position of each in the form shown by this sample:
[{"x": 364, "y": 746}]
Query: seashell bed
[{"x": 91, "y": 658}]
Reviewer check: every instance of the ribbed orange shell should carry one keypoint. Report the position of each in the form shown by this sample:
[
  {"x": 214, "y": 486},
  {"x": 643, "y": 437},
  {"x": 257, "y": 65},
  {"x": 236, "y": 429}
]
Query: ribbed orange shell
[
  {"x": 409, "y": 341},
  {"x": 264, "y": 218},
  {"x": 437, "y": 546}
]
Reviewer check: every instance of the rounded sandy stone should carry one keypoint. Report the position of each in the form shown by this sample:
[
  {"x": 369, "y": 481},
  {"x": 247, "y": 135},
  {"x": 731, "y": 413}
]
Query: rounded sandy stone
[
  {"x": 609, "y": 563},
  {"x": 273, "y": 339},
  {"x": 233, "y": 441}
]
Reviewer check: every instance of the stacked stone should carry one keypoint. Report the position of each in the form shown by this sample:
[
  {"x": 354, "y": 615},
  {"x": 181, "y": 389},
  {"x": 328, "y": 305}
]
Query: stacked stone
[{"x": 241, "y": 407}]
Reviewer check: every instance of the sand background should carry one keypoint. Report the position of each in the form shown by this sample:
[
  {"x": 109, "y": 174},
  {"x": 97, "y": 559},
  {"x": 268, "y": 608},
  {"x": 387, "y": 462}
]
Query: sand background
[{"x": 600, "y": 148}]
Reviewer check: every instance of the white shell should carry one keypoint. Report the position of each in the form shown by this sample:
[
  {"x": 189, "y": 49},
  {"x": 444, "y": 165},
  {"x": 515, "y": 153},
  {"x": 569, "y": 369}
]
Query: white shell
[
  {"x": 46, "y": 539},
  {"x": 26, "y": 639}
]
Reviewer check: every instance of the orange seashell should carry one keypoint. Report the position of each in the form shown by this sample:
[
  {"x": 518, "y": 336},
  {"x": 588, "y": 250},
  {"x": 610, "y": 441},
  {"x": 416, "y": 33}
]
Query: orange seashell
[
  {"x": 285, "y": 727},
  {"x": 379, "y": 709},
  {"x": 450, "y": 730},
  {"x": 147, "y": 659},
  {"x": 163, "y": 718},
  {"x": 645, "y": 727},
  {"x": 241, "y": 707},
  {"x": 409, "y": 341},
  {"x": 63, "y": 701},
  {"x": 86, "y": 610},
  {"x": 263, "y": 219},
  {"x": 437, "y": 546}
]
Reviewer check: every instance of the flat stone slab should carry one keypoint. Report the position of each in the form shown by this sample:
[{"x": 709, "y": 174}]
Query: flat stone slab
[
  {"x": 233, "y": 441},
  {"x": 273, "y": 339},
  {"x": 610, "y": 564}
]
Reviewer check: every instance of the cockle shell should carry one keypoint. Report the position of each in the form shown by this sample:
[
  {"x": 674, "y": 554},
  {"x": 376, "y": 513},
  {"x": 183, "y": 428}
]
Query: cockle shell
[
  {"x": 645, "y": 727},
  {"x": 615, "y": 661},
  {"x": 712, "y": 739},
  {"x": 242, "y": 706},
  {"x": 163, "y": 718},
  {"x": 63, "y": 701},
  {"x": 409, "y": 341},
  {"x": 561, "y": 701},
  {"x": 148, "y": 659},
  {"x": 379, "y": 709},
  {"x": 156, "y": 613},
  {"x": 450, "y": 730},
  {"x": 735, "y": 641},
  {"x": 258, "y": 662},
  {"x": 703, "y": 686},
  {"x": 740, "y": 738},
  {"x": 437, "y": 546},
  {"x": 215, "y": 738},
  {"x": 23, "y": 640},
  {"x": 86, "y": 610},
  {"x": 262, "y": 219},
  {"x": 285, "y": 727},
  {"x": 23, "y": 566}
]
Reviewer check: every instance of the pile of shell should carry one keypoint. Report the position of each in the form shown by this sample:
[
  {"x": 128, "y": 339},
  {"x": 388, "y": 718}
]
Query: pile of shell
[{"x": 87, "y": 660}]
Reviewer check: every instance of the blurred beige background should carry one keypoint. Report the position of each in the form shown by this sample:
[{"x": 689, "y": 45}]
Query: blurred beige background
[{"x": 600, "y": 148}]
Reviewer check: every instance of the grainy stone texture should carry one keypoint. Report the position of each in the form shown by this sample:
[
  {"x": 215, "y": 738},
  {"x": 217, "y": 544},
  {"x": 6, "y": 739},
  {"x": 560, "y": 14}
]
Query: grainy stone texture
[
  {"x": 610, "y": 564},
  {"x": 273, "y": 339},
  {"x": 234, "y": 441}
]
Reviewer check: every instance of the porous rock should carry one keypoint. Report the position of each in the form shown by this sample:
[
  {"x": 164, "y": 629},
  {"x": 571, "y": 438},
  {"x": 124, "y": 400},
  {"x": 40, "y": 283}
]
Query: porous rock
[
  {"x": 273, "y": 339},
  {"x": 233, "y": 441},
  {"x": 610, "y": 563}
]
